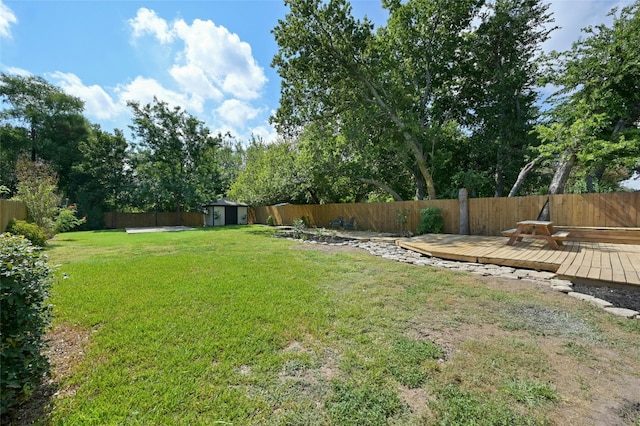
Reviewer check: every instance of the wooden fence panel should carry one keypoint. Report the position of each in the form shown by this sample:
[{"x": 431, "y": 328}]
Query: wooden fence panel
[
  {"x": 115, "y": 220},
  {"x": 11, "y": 209},
  {"x": 490, "y": 216},
  {"x": 619, "y": 209},
  {"x": 487, "y": 216}
]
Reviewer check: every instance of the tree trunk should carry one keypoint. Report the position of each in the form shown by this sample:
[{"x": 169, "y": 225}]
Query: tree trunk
[
  {"x": 522, "y": 176},
  {"x": 414, "y": 146},
  {"x": 384, "y": 187},
  {"x": 558, "y": 182}
]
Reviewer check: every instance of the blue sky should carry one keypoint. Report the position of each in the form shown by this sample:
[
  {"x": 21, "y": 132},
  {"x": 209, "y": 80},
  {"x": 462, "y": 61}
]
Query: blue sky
[{"x": 210, "y": 57}]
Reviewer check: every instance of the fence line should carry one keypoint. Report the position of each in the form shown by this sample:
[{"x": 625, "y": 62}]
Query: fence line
[
  {"x": 116, "y": 220},
  {"x": 487, "y": 216},
  {"x": 11, "y": 209}
]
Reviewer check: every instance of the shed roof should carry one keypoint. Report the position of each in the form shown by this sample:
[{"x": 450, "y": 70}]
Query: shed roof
[{"x": 226, "y": 202}]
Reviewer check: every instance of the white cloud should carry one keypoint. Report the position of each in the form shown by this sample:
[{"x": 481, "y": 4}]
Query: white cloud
[
  {"x": 17, "y": 71},
  {"x": 193, "y": 79},
  {"x": 267, "y": 133},
  {"x": 573, "y": 15},
  {"x": 147, "y": 22},
  {"x": 143, "y": 90},
  {"x": 98, "y": 103},
  {"x": 222, "y": 56},
  {"x": 236, "y": 112},
  {"x": 7, "y": 18}
]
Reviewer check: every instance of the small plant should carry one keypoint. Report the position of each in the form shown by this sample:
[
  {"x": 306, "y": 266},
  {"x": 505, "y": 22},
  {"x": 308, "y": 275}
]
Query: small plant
[
  {"x": 320, "y": 233},
  {"x": 24, "y": 318},
  {"x": 431, "y": 221},
  {"x": 271, "y": 221},
  {"x": 298, "y": 227},
  {"x": 32, "y": 232},
  {"x": 306, "y": 220},
  {"x": 67, "y": 220}
]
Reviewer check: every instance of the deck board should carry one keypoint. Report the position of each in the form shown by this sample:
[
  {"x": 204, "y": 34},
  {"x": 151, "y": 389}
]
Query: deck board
[{"x": 597, "y": 263}]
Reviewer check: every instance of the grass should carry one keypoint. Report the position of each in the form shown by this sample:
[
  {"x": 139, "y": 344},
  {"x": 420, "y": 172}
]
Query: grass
[{"x": 232, "y": 326}]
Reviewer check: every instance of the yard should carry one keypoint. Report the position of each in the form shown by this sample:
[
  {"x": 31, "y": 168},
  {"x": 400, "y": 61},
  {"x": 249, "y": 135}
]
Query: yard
[{"x": 232, "y": 326}]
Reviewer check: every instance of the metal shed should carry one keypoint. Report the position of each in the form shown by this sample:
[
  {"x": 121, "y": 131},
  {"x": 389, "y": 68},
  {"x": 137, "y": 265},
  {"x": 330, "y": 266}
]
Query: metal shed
[{"x": 225, "y": 212}]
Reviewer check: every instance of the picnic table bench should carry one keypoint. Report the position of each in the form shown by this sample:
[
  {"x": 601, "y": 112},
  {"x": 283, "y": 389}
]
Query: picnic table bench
[{"x": 536, "y": 229}]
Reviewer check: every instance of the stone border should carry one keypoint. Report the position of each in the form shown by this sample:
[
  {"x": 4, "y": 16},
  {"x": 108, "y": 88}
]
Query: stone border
[{"x": 391, "y": 251}]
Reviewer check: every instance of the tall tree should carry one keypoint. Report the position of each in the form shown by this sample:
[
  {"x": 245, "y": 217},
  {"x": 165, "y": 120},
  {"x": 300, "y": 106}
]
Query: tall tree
[
  {"x": 502, "y": 82},
  {"x": 103, "y": 174},
  {"x": 403, "y": 77},
  {"x": 176, "y": 151},
  {"x": 594, "y": 125},
  {"x": 51, "y": 119}
]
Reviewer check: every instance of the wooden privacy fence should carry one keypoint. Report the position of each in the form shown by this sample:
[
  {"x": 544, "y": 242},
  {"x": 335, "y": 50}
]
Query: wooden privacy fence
[
  {"x": 11, "y": 209},
  {"x": 487, "y": 216},
  {"x": 114, "y": 220}
]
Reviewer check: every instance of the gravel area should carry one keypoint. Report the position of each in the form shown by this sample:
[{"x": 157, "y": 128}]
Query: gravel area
[{"x": 623, "y": 298}]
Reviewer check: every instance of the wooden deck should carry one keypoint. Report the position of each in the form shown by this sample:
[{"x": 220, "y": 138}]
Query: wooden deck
[{"x": 583, "y": 262}]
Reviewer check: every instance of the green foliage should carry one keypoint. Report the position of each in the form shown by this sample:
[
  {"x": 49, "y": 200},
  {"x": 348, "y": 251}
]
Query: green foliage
[
  {"x": 37, "y": 186},
  {"x": 299, "y": 226},
  {"x": 410, "y": 359},
  {"x": 24, "y": 317},
  {"x": 67, "y": 219},
  {"x": 176, "y": 164},
  {"x": 431, "y": 221},
  {"x": 270, "y": 175},
  {"x": 32, "y": 232},
  {"x": 455, "y": 406},
  {"x": 352, "y": 404},
  {"x": 42, "y": 122},
  {"x": 271, "y": 221},
  {"x": 531, "y": 392},
  {"x": 592, "y": 125}
]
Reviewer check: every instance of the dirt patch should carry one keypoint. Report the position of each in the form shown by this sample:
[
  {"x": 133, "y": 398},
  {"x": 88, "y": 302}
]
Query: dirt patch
[{"x": 66, "y": 345}]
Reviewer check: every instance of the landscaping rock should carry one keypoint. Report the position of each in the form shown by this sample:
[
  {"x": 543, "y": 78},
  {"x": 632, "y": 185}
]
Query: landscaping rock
[
  {"x": 581, "y": 296},
  {"x": 622, "y": 312}
]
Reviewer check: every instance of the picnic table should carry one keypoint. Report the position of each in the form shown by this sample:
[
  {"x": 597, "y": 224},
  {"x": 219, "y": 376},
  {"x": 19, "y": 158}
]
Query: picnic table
[{"x": 539, "y": 229}]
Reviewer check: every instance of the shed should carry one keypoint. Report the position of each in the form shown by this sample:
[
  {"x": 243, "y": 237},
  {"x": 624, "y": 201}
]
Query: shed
[{"x": 225, "y": 212}]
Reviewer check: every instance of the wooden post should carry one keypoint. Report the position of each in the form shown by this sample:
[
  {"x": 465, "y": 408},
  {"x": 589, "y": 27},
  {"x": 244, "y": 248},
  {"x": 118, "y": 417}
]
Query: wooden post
[{"x": 463, "y": 198}]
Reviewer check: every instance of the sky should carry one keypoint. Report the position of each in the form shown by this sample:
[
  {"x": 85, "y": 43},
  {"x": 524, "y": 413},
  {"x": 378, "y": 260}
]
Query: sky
[{"x": 210, "y": 57}]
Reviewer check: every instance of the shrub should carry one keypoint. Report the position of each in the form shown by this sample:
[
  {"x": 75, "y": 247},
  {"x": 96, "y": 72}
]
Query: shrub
[
  {"x": 67, "y": 220},
  {"x": 431, "y": 221},
  {"x": 271, "y": 221},
  {"x": 298, "y": 227},
  {"x": 24, "y": 317},
  {"x": 32, "y": 232},
  {"x": 306, "y": 220}
]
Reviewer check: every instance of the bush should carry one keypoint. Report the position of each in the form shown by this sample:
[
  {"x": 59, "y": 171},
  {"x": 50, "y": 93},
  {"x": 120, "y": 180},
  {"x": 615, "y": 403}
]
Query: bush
[
  {"x": 271, "y": 221},
  {"x": 431, "y": 221},
  {"x": 31, "y": 231},
  {"x": 67, "y": 220},
  {"x": 298, "y": 227},
  {"x": 24, "y": 318}
]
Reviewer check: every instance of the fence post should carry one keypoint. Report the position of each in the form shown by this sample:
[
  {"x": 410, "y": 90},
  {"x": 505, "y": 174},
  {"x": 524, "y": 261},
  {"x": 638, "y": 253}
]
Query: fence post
[{"x": 463, "y": 198}]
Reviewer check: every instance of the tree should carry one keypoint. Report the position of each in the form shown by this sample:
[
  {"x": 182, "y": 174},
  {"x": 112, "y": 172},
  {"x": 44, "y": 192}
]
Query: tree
[
  {"x": 501, "y": 86},
  {"x": 403, "y": 77},
  {"x": 103, "y": 174},
  {"x": 593, "y": 126},
  {"x": 51, "y": 121},
  {"x": 269, "y": 175},
  {"x": 37, "y": 187},
  {"x": 175, "y": 156}
]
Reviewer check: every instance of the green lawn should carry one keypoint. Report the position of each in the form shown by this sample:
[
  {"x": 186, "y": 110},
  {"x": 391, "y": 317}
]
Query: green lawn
[{"x": 233, "y": 326}]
